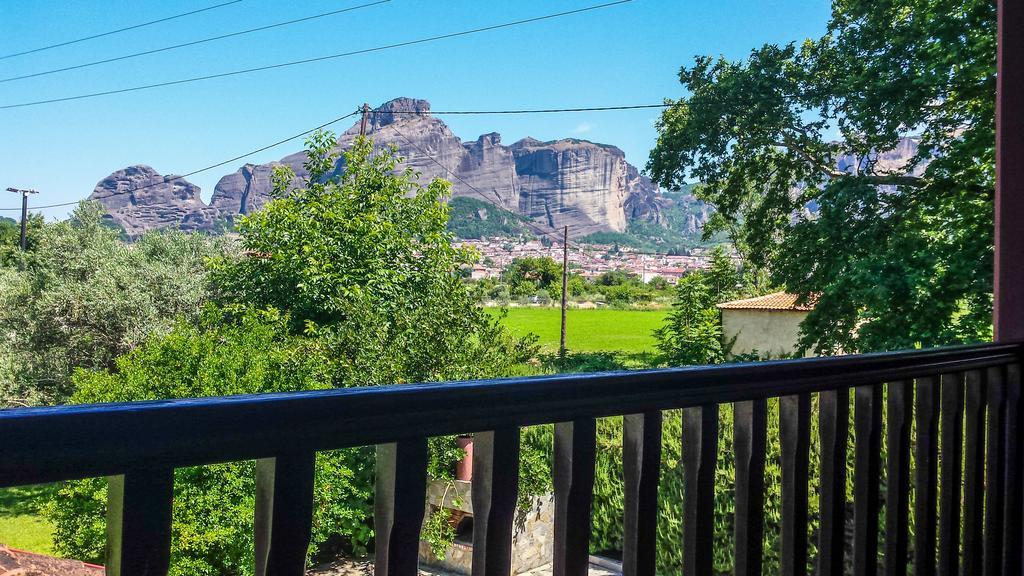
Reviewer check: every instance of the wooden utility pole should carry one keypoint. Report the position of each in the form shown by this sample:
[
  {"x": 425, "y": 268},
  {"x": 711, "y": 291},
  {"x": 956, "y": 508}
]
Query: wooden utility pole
[
  {"x": 565, "y": 286},
  {"x": 24, "y": 212},
  {"x": 362, "y": 123}
]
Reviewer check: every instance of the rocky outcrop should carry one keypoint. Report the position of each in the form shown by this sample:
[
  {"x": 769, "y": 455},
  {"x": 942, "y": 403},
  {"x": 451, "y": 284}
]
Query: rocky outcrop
[
  {"x": 587, "y": 186},
  {"x": 138, "y": 198},
  {"x": 895, "y": 161}
]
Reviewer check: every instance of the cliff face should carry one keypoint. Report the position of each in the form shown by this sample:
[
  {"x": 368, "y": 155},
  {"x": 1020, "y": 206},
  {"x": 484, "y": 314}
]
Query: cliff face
[
  {"x": 586, "y": 186},
  {"x": 138, "y": 198}
]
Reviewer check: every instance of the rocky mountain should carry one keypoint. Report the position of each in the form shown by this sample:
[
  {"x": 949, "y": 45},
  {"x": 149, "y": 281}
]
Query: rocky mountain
[
  {"x": 138, "y": 198},
  {"x": 584, "y": 185}
]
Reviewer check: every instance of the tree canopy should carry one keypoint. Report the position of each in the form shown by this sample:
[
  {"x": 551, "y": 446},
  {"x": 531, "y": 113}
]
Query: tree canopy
[
  {"x": 79, "y": 298},
  {"x": 344, "y": 281},
  {"x": 789, "y": 145}
]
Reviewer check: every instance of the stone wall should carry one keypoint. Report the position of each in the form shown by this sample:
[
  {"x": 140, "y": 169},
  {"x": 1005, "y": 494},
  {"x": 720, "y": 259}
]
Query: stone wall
[{"x": 532, "y": 538}]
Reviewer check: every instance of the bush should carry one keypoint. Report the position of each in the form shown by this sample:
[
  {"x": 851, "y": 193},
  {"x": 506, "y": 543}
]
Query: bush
[
  {"x": 84, "y": 297},
  {"x": 350, "y": 281}
]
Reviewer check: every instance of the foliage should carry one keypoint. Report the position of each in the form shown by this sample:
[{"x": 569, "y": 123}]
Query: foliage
[
  {"x": 472, "y": 218},
  {"x": 528, "y": 274},
  {"x": 10, "y": 238},
  {"x": 723, "y": 280},
  {"x": 214, "y": 512},
  {"x": 692, "y": 333},
  {"x": 365, "y": 262},
  {"x": 899, "y": 256},
  {"x": 345, "y": 281},
  {"x": 83, "y": 297}
]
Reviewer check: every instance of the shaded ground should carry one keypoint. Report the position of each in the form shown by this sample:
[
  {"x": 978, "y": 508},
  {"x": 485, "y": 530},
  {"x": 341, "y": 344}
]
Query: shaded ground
[{"x": 21, "y": 524}]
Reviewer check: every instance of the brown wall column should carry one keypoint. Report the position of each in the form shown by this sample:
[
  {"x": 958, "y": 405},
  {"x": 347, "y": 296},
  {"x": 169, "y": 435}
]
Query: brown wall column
[{"x": 1009, "y": 258}]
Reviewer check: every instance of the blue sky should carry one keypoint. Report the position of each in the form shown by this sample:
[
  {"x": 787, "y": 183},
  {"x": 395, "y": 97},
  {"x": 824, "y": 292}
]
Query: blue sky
[{"x": 626, "y": 54}]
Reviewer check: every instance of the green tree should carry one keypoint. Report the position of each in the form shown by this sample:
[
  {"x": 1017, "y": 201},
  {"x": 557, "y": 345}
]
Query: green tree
[
  {"x": 898, "y": 255},
  {"x": 345, "y": 281},
  {"x": 365, "y": 261},
  {"x": 723, "y": 279},
  {"x": 533, "y": 273},
  {"x": 692, "y": 333},
  {"x": 84, "y": 297},
  {"x": 10, "y": 238}
]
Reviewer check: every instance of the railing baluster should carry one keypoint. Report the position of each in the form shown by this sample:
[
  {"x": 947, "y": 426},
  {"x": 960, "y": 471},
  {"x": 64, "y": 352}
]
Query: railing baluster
[
  {"x": 897, "y": 493},
  {"x": 495, "y": 488},
  {"x": 401, "y": 489},
  {"x": 750, "y": 431},
  {"x": 868, "y": 432},
  {"x": 795, "y": 436},
  {"x": 284, "y": 484},
  {"x": 700, "y": 452},
  {"x": 641, "y": 459},
  {"x": 139, "y": 522},
  {"x": 974, "y": 473},
  {"x": 951, "y": 421},
  {"x": 833, "y": 429},
  {"x": 995, "y": 470},
  {"x": 1012, "y": 502},
  {"x": 925, "y": 474},
  {"x": 575, "y": 455}
]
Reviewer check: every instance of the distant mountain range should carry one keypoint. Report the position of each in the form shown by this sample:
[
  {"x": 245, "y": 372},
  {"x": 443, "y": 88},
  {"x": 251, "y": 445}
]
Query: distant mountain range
[
  {"x": 533, "y": 186},
  {"x": 570, "y": 182}
]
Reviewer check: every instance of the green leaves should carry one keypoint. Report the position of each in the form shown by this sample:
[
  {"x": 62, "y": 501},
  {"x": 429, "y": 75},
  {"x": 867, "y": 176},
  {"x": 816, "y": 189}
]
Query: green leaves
[
  {"x": 899, "y": 254},
  {"x": 346, "y": 280},
  {"x": 84, "y": 297},
  {"x": 692, "y": 333}
]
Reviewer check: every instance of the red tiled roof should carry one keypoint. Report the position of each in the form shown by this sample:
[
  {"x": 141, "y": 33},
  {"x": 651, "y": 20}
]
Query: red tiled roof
[
  {"x": 776, "y": 301},
  {"x": 18, "y": 562}
]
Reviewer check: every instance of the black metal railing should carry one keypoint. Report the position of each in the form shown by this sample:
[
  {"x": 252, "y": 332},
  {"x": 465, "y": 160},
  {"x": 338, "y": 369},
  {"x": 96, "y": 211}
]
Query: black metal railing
[{"x": 951, "y": 430}]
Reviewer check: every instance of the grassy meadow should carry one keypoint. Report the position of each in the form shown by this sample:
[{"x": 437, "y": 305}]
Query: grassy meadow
[{"x": 589, "y": 330}]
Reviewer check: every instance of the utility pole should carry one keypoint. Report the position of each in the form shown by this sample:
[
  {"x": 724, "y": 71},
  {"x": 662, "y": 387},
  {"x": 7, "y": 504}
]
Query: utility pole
[
  {"x": 24, "y": 212},
  {"x": 362, "y": 123},
  {"x": 565, "y": 286}
]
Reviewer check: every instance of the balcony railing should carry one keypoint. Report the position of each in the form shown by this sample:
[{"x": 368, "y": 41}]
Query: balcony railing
[{"x": 951, "y": 431}]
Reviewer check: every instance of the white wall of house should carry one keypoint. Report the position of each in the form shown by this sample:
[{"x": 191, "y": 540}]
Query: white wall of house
[{"x": 769, "y": 332}]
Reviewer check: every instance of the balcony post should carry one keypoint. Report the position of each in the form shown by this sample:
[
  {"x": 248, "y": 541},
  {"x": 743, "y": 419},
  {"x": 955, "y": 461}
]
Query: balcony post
[
  {"x": 1008, "y": 314},
  {"x": 1009, "y": 204}
]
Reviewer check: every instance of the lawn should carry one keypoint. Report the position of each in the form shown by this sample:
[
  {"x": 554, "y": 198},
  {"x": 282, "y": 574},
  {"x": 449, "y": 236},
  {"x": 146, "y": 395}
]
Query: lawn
[
  {"x": 21, "y": 524},
  {"x": 628, "y": 331}
]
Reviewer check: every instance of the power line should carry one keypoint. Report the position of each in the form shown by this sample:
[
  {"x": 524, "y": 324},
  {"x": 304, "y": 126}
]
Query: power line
[
  {"x": 119, "y": 30},
  {"x": 210, "y": 167},
  {"x": 318, "y": 58},
  {"x": 524, "y": 111},
  {"x": 535, "y": 111},
  {"x": 192, "y": 43}
]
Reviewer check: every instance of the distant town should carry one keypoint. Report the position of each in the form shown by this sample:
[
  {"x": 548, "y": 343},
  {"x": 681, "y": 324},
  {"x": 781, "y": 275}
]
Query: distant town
[{"x": 589, "y": 260}]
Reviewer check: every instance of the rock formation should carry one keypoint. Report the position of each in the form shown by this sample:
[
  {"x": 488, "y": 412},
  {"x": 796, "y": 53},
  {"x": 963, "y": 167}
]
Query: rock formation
[
  {"x": 586, "y": 186},
  {"x": 138, "y": 198}
]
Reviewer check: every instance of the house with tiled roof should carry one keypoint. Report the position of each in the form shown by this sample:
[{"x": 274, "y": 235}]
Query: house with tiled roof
[{"x": 767, "y": 325}]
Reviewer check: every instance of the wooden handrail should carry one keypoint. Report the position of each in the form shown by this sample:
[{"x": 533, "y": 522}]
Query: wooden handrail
[
  {"x": 974, "y": 391},
  {"x": 80, "y": 441}
]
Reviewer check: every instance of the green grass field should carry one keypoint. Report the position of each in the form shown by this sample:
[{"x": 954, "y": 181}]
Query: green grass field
[
  {"x": 21, "y": 524},
  {"x": 627, "y": 331}
]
